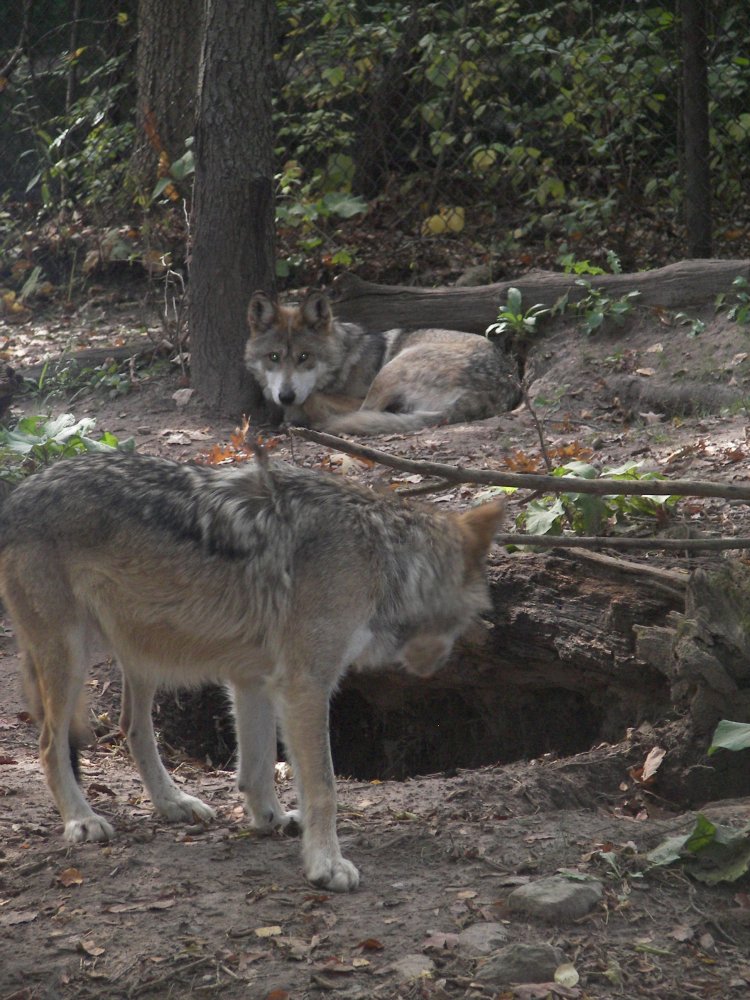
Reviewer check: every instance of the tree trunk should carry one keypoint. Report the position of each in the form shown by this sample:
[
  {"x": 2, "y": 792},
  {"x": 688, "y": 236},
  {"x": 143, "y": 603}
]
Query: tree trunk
[
  {"x": 696, "y": 125},
  {"x": 233, "y": 238},
  {"x": 169, "y": 41}
]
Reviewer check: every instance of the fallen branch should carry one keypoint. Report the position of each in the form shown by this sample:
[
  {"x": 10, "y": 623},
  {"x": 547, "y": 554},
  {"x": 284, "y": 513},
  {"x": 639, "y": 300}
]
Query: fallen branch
[
  {"x": 532, "y": 481},
  {"x": 602, "y": 542}
]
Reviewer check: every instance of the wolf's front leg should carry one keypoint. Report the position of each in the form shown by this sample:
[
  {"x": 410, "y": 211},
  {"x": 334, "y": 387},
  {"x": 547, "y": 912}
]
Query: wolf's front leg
[
  {"x": 304, "y": 724},
  {"x": 136, "y": 722},
  {"x": 255, "y": 724}
]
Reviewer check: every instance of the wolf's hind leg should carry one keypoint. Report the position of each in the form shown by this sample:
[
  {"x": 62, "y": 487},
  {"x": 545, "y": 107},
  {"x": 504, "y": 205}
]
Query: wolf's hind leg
[
  {"x": 255, "y": 722},
  {"x": 55, "y": 670},
  {"x": 136, "y": 722}
]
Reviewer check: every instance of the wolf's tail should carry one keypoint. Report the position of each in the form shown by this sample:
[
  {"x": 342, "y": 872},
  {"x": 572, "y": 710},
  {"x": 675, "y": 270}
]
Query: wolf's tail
[{"x": 381, "y": 422}]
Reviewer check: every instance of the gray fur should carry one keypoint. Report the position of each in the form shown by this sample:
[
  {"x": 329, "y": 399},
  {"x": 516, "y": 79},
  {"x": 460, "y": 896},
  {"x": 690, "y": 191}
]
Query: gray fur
[{"x": 271, "y": 578}]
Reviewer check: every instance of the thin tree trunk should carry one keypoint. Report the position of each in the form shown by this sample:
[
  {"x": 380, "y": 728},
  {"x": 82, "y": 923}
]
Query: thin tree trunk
[
  {"x": 233, "y": 218},
  {"x": 696, "y": 129}
]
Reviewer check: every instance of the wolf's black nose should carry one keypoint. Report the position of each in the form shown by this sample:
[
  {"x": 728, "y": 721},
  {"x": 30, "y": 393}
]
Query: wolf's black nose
[{"x": 286, "y": 397}]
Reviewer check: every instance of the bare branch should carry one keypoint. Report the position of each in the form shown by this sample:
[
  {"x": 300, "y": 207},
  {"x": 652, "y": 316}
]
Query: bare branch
[
  {"x": 602, "y": 542},
  {"x": 533, "y": 481}
]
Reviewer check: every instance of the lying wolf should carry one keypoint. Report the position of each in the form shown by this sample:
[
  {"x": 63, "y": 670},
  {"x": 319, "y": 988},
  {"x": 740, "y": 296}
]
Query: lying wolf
[
  {"x": 270, "y": 578},
  {"x": 335, "y": 377}
]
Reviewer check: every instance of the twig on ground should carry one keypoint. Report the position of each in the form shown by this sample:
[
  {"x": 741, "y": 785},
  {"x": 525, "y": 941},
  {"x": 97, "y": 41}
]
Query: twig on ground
[{"x": 604, "y": 542}]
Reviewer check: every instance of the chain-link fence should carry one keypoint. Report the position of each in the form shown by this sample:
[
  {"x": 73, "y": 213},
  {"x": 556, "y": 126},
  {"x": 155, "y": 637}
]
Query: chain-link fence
[
  {"x": 569, "y": 123},
  {"x": 525, "y": 132}
]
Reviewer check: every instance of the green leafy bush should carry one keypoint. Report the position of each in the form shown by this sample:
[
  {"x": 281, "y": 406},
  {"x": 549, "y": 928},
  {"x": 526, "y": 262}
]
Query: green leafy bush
[
  {"x": 40, "y": 440},
  {"x": 593, "y": 514}
]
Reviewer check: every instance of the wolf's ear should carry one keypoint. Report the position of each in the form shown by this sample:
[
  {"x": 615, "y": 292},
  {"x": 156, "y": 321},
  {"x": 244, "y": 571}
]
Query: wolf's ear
[
  {"x": 480, "y": 525},
  {"x": 261, "y": 313},
  {"x": 316, "y": 311}
]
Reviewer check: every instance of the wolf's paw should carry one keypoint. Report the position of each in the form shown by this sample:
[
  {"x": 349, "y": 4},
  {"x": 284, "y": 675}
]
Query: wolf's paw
[
  {"x": 93, "y": 827},
  {"x": 184, "y": 809},
  {"x": 270, "y": 821},
  {"x": 336, "y": 874}
]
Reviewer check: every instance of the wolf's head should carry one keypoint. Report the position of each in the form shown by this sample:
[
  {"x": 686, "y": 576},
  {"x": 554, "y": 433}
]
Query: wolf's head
[
  {"x": 289, "y": 349},
  {"x": 464, "y": 592}
]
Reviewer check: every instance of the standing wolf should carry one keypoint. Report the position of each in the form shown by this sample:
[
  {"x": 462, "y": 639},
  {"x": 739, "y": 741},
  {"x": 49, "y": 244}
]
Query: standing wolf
[
  {"x": 336, "y": 377},
  {"x": 271, "y": 578}
]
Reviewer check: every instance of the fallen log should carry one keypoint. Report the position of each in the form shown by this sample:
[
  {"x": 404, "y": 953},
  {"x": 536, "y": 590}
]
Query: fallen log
[{"x": 382, "y": 307}]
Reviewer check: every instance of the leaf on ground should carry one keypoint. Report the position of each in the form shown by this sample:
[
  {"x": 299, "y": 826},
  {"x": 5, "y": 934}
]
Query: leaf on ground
[
  {"x": 370, "y": 944},
  {"x": 96, "y": 788},
  {"x": 682, "y": 932},
  {"x": 440, "y": 942},
  {"x": 645, "y": 774},
  {"x": 140, "y": 906},
  {"x": 264, "y": 932},
  {"x": 566, "y": 975},
  {"x": 521, "y": 461},
  {"x": 90, "y": 948},
  {"x": 70, "y": 876},
  {"x": 652, "y": 763}
]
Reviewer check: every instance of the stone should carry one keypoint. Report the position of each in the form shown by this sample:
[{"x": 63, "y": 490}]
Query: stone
[
  {"x": 521, "y": 963},
  {"x": 482, "y": 938},
  {"x": 557, "y": 899}
]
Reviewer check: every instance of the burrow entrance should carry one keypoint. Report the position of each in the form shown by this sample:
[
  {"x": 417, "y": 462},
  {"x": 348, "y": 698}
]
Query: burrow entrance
[{"x": 411, "y": 730}]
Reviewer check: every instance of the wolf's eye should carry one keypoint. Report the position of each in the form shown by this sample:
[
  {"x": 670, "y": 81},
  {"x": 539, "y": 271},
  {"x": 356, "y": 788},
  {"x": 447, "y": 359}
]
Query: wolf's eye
[
  {"x": 274, "y": 357},
  {"x": 302, "y": 357}
]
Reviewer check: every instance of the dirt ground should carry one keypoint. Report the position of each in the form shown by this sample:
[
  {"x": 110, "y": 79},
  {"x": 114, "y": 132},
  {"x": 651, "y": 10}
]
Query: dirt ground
[{"x": 175, "y": 911}]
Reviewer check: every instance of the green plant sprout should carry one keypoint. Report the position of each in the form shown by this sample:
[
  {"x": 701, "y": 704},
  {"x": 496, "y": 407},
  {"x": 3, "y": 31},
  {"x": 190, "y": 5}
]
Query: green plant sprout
[
  {"x": 739, "y": 311},
  {"x": 512, "y": 321},
  {"x": 597, "y": 308}
]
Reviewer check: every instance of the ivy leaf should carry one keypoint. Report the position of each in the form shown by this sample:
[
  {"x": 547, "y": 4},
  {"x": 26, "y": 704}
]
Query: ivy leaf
[{"x": 730, "y": 736}]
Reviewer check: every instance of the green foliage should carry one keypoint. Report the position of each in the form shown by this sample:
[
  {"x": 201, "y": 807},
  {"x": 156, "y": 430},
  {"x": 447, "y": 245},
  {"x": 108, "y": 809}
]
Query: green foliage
[
  {"x": 81, "y": 154},
  {"x": 302, "y": 207},
  {"x": 593, "y": 514},
  {"x": 41, "y": 440},
  {"x": 572, "y": 265},
  {"x": 73, "y": 381},
  {"x": 739, "y": 308},
  {"x": 709, "y": 852},
  {"x": 730, "y": 736},
  {"x": 597, "y": 309},
  {"x": 696, "y": 326},
  {"x": 558, "y": 106},
  {"x": 180, "y": 174},
  {"x": 513, "y": 322}
]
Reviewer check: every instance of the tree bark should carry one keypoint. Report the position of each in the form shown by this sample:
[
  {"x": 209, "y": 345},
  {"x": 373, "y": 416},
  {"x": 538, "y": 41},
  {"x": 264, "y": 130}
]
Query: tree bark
[
  {"x": 381, "y": 307},
  {"x": 169, "y": 41},
  {"x": 233, "y": 235},
  {"x": 696, "y": 123}
]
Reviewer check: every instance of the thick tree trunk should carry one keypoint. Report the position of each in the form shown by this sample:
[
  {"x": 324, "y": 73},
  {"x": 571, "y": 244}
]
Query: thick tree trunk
[
  {"x": 233, "y": 229},
  {"x": 380, "y": 307},
  {"x": 169, "y": 42}
]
